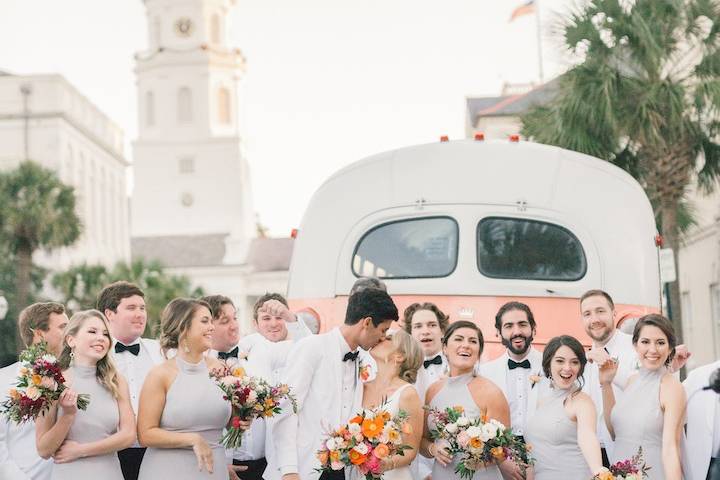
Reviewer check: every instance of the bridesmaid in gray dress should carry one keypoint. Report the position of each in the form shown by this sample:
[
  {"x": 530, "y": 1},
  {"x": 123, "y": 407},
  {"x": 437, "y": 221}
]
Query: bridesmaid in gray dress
[
  {"x": 462, "y": 346},
  {"x": 652, "y": 406},
  {"x": 182, "y": 412},
  {"x": 84, "y": 443},
  {"x": 562, "y": 427}
]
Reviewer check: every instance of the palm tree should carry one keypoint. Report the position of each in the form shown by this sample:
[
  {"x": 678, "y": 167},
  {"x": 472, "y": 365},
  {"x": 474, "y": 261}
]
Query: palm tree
[
  {"x": 645, "y": 95},
  {"x": 38, "y": 212}
]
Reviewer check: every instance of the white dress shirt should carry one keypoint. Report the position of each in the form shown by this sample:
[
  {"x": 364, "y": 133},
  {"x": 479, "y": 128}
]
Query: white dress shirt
[
  {"x": 426, "y": 377},
  {"x": 350, "y": 379},
  {"x": 518, "y": 386},
  {"x": 18, "y": 454},
  {"x": 136, "y": 367}
]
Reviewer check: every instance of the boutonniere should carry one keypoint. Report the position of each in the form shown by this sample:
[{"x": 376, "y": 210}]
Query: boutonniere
[
  {"x": 363, "y": 371},
  {"x": 534, "y": 379}
]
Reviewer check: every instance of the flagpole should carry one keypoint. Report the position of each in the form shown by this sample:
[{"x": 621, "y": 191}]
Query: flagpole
[{"x": 539, "y": 42}]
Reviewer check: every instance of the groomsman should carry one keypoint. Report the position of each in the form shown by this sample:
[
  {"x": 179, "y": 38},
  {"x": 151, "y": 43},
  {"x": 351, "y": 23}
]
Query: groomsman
[
  {"x": 516, "y": 327},
  {"x": 322, "y": 372},
  {"x": 427, "y": 324},
  {"x": 702, "y": 448},
  {"x": 40, "y": 322},
  {"x": 274, "y": 322},
  {"x": 123, "y": 304}
]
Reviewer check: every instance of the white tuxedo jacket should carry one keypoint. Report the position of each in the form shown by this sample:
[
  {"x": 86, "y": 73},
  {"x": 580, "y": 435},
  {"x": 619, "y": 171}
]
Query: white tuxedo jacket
[
  {"x": 314, "y": 372},
  {"x": 701, "y": 411},
  {"x": 496, "y": 370}
]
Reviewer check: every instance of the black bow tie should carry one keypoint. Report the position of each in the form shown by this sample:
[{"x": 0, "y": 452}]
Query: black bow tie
[
  {"x": 121, "y": 347},
  {"x": 512, "y": 364},
  {"x": 226, "y": 355},
  {"x": 436, "y": 360},
  {"x": 351, "y": 356}
]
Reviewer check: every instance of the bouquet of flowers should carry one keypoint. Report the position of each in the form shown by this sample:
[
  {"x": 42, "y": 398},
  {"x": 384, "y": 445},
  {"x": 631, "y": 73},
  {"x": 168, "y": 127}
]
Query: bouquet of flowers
[
  {"x": 39, "y": 384},
  {"x": 478, "y": 442},
  {"x": 632, "y": 469},
  {"x": 364, "y": 442},
  {"x": 250, "y": 397}
]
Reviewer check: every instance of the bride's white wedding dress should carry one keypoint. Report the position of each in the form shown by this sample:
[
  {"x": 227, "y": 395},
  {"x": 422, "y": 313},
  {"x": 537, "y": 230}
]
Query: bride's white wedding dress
[{"x": 392, "y": 406}]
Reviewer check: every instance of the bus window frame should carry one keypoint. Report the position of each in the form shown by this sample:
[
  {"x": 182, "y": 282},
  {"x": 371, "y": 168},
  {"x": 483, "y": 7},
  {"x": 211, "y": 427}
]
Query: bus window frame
[
  {"x": 532, "y": 220},
  {"x": 410, "y": 219}
]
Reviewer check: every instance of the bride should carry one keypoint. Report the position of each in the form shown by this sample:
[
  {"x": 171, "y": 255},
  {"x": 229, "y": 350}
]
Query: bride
[{"x": 398, "y": 359}]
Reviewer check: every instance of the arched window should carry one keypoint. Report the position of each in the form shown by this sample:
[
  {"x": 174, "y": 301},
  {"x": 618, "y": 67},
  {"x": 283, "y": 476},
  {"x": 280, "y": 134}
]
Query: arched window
[
  {"x": 149, "y": 109},
  {"x": 185, "y": 111},
  {"x": 224, "y": 111},
  {"x": 215, "y": 28}
]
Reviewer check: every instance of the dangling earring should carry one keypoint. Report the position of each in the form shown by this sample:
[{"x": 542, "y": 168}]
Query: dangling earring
[
  {"x": 72, "y": 356},
  {"x": 186, "y": 349}
]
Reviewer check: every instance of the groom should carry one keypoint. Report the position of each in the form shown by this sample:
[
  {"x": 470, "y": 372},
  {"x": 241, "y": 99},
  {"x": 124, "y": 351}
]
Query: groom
[{"x": 322, "y": 372}]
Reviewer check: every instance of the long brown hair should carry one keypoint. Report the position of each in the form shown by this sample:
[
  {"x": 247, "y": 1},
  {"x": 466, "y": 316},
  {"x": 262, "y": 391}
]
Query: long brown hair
[
  {"x": 175, "y": 321},
  {"x": 105, "y": 370}
]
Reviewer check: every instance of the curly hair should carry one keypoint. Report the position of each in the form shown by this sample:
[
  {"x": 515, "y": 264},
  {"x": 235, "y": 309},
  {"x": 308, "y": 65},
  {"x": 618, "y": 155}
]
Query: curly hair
[{"x": 442, "y": 318}]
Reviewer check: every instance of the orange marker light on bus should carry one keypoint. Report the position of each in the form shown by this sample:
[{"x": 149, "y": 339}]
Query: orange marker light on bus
[
  {"x": 479, "y": 136},
  {"x": 444, "y": 138},
  {"x": 514, "y": 138}
]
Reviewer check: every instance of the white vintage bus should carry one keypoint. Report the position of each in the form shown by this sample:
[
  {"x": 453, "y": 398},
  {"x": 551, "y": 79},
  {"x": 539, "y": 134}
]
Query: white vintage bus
[{"x": 472, "y": 224}]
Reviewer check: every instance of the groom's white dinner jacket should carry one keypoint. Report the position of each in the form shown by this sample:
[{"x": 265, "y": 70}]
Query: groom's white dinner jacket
[
  {"x": 702, "y": 422},
  {"x": 314, "y": 371}
]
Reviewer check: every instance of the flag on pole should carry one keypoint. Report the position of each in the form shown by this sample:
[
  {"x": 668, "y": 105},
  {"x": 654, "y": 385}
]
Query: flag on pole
[{"x": 525, "y": 9}]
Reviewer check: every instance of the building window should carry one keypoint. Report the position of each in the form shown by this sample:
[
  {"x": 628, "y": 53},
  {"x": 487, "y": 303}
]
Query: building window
[
  {"x": 414, "y": 248},
  {"x": 184, "y": 101},
  {"x": 516, "y": 248},
  {"x": 215, "y": 29},
  {"x": 186, "y": 165},
  {"x": 224, "y": 106},
  {"x": 149, "y": 109}
]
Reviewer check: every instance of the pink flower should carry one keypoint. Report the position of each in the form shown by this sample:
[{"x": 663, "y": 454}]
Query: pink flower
[
  {"x": 463, "y": 439},
  {"x": 33, "y": 393},
  {"x": 49, "y": 383},
  {"x": 228, "y": 380},
  {"x": 337, "y": 465},
  {"x": 373, "y": 464}
]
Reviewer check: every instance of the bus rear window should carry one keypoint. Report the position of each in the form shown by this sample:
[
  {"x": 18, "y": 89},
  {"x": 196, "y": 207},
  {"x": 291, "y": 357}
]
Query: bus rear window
[
  {"x": 516, "y": 248},
  {"x": 415, "y": 248}
]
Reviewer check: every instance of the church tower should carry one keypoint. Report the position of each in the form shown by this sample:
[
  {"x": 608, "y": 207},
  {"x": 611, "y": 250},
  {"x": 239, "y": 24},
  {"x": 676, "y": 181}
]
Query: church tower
[{"x": 191, "y": 181}]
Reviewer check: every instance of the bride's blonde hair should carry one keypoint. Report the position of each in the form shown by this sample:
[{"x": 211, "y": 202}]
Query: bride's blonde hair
[{"x": 406, "y": 346}]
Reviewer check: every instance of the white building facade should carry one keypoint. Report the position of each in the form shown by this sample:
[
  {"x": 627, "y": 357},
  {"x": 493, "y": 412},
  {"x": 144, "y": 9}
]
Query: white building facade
[
  {"x": 192, "y": 200},
  {"x": 45, "y": 119}
]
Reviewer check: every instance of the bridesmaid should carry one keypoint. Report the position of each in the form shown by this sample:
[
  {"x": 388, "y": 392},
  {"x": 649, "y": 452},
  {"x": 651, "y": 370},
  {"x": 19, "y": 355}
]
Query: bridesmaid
[
  {"x": 84, "y": 443},
  {"x": 182, "y": 412},
  {"x": 650, "y": 412},
  {"x": 462, "y": 346},
  {"x": 562, "y": 430}
]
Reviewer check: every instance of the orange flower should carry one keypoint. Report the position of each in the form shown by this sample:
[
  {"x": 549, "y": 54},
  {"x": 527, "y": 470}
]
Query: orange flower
[
  {"x": 498, "y": 453},
  {"x": 357, "y": 458},
  {"x": 381, "y": 451},
  {"x": 475, "y": 442},
  {"x": 393, "y": 435},
  {"x": 371, "y": 428},
  {"x": 322, "y": 456},
  {"x": 335, "y": 455},
  {"x": 36, "y": 379},
  {"x": 14, "y": 394},
  {"x": 406, "y": 428},
  {"x": 385, "y": 416},
  {"x": 238, "y": 372},
  {"x": 459, "y": 408},
  {"x": 528, "y": 447},
  {"x": 357, "y": 419}
]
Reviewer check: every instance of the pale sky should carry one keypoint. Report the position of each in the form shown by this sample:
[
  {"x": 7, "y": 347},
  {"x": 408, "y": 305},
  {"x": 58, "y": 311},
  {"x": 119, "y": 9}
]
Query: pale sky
[{"x": 328, "y": 82}]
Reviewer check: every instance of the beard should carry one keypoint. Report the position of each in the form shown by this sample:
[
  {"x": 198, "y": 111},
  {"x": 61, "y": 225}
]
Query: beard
[{"x": 507, "y": 342}]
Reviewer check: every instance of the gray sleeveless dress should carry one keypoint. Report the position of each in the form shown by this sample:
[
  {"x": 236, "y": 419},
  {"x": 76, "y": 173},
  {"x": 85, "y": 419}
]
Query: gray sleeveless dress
[
  {"x": 193, "y": 404},
  {"x": 638, "y": 421},
  {"x": 98, "y": 422},
  {"x": 456, "y": 392},
  {"x": 553, "y": 437}
]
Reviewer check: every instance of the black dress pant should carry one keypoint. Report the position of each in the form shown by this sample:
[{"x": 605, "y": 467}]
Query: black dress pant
[
  {"x": 605, "y": 459},
  {"x": 255, "y": 468},
  {"x": 714, "y": 469},
  {"x": 130, "y": 460},
  {"x": 333, "y": 475}
]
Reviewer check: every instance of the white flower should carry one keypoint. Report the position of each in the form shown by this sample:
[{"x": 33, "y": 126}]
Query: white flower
[
  {"x": 488, "y": 431},
  {"x": 331, "y": 444},
  {"x": 451, "y": 428},
  {"x": 252, "y": 397},
  {"x": 354, "y": 428},
  {"x": 33, "y": 393},
  {"x": 49, "y": 358},
  {"x": 463, "y": 421},
  {"x": 473, "y": 431},
  {"x": 361, "y": 448}
]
